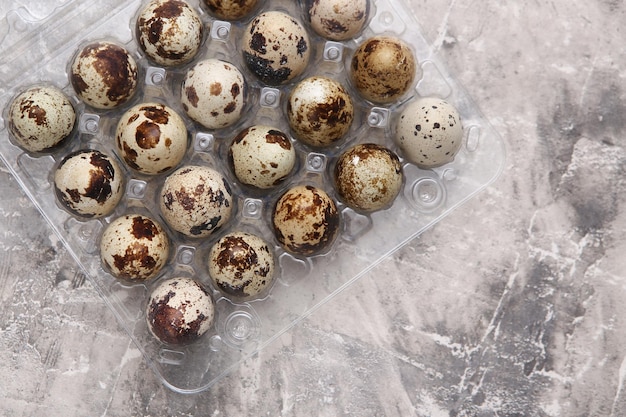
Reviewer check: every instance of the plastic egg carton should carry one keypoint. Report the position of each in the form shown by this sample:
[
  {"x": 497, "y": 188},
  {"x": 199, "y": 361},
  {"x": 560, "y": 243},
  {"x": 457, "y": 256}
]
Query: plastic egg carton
[{"x": 39, "y": 40}]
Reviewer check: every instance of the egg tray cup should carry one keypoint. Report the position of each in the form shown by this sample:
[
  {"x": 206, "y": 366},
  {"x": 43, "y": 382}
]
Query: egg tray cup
[{"x": 37, "y": 50}]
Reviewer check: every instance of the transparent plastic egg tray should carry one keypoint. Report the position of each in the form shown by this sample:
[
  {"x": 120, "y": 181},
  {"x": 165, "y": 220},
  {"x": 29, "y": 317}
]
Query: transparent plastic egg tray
[{"x": 37, "y": 43}]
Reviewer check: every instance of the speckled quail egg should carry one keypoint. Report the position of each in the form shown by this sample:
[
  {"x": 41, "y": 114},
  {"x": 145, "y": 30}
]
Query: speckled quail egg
[
  {"x": 305, "y": 220},
  {"x": 213, "y": 93},
  {"x": 104, "y": 75},
  {"x": 196, "y": 201},
  {"x": 89, "y": 183},
  {"x": 231, "y": 9},
  {"x": 40, "y": 118},
  {"x": 262, "y": 156},
  {"x": 180, "y": 310},
  {"x": 368, "y": 177},
  {"x": 241, "y": 265},
  {"x": 338, "y": 20},
  {"x": 429, "y": 132},
  {"x": 169, "y": 32},
  {"x": 275, "y": 47},
  {"x": 383, "y": 69},
  {"x": 134, "y": 247},
  {"x": 151, "y": 138},
  {"x": 320, "y": 111}
]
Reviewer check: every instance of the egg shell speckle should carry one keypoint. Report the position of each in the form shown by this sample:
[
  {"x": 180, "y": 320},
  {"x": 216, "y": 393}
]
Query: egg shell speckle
[
  {"x": 241, "y": 265},
  {"x": 169, "y": 32},
  {"x": 305, "y": 220},
  {"x": 104, "y": 75},
  {"x": 368, "y": 177},
  {"x": 41, "y": 118},
  {"x": 89, "y": 183},
  {"x": 320, "y": 111},
  {"x": 383, "y": 69},
  {"x": 338, "y": 20},
  {"x": 262, "y": 156},
  {"x": 429, "y": 132},
  {"x": 180, "y": 310},
  {"x": 134, "y": 247},
  {"x": 213, "y": 93},
  {"x": 151, "y": 138},
  {"x": 196, "y": 201},
  {"x": 231, "y": 9},
  {"x": 275, "y": 47}
]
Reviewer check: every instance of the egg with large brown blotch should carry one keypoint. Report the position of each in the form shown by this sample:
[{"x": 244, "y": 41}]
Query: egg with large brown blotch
[
  {"x": 231, "y": 9},
  {"x": 180, "y": 311},
  {"x": 213, "y": 93},
  {"x": 134, "y": 248},
  {"x": 338, "y": 20},
  {"x": 40, "y": 118},
  {"x": 383, "y": 69},
  {"x": 320, "y": 111},
  {"x": 241, "y": 265},
  {"x": 104, "y": 75},
  {"x": 169, "y": 32},
  {"x": 368, "y": 177},
  {"x": 305, "y": 220},
  {"x": 429, "y": 132},
  {"x": 196, "y": 201},
  {"x": 275, "y": 47},
  {"x": 151, "y": 138},
  {"x": 89, "y": 183}
]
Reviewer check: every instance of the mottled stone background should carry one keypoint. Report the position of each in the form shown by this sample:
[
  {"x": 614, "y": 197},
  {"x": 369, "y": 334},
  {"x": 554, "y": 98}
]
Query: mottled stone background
[{"x": 511, "y": 306}]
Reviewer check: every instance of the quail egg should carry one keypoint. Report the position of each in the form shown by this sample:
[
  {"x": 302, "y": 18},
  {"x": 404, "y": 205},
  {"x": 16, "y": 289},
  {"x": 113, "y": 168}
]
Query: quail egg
[
  {"x": 338, "y": 20},
  {"x": 213, "y": 93},
  {"x": 40, "y": 118},
  {"x": 368, "y": 177},
  {"x": 429, "y": 132},
  {"x": 305, "y": 220},
  {"x": 241, "y": 265},
  {"x": 383, "y": 69},
  {"x": 89, "y": 183},
  {"x": 104, "y": 75},
  {"x": 180, "y": 310},
  {"x": 151, "y": 138},
  {"x": 196, "y": 201},
  {"x": 276, "y": 47},
  {"x": 134, "y": 247},
  {"x": 231, "y": 9},
  {"x": 169, "y": 32},
  {"x": 262, "y": 156},
  {"x": 320, "y": 111}
]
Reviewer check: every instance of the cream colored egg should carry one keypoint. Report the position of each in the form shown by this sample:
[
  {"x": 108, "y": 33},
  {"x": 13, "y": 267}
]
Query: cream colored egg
[
  {"x": 231, "y": 9},
  {"x": 338, "y": 20}
]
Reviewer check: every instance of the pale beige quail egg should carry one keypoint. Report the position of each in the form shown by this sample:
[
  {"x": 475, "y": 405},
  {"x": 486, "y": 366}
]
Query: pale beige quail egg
[
  {"x": 231, "y": 9},
  {"x": 429, "y": 132},
  {"x": 151, "y": 138},
  {"x": 338, "y": 20}
]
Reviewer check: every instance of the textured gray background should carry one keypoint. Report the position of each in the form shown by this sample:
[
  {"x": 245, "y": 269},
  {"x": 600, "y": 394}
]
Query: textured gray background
[{"x": 513, "y": 305}]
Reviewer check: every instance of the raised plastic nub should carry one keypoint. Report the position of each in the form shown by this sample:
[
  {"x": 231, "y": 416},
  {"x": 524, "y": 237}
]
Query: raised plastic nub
[
  {"x": 89, "y": 123},
  {"x": 378, "y": 117},
  {"x": 220, "y": 30},
  {"x": 270, "y": 97},
  {"x": 252, "y": 208},
  {"x": 203, "y": 142},
  {"x": 333, "y": 51},
  {"x": 136, "y": 189},
  {"x": 315, "y": 162},
  {"x": 240, "y": 327},
  {"x": 155, "y": 76}
]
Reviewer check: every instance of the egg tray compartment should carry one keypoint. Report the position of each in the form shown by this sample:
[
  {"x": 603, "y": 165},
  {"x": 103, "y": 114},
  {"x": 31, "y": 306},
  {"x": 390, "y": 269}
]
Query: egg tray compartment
[{"x": 38, "y": 50}]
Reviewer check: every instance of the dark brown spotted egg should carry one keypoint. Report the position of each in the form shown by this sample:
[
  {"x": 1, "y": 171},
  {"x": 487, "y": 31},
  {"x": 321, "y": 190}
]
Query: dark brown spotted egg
[
  {"x": 338, "y": 20},
  {"x": 319, "y": 111},
  {"x": 262, "y": 156},
  {"x": 180, "y": 310},
  {"x": 275, "y": 47},
  {"x": 151, "y": 138},
  {"x": 429, "y": 132},
  {"x": 383, "y": 69},
  {"x": 305, "y": 220},
  {"x": 241, "y": 265},
  {"x": 169, "y": 32},
  {"x": 368, "y": 177},
  {"x": 134, "y": 248},
  {"x": 231, "y": 9},
  {"x": 40, "y": 118},
  {"x": 196, "y": 201},
  {"x": 89, "y": 183},
  {"x": 213, "y": 93},
  {"x": 104, "y": 75}
]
